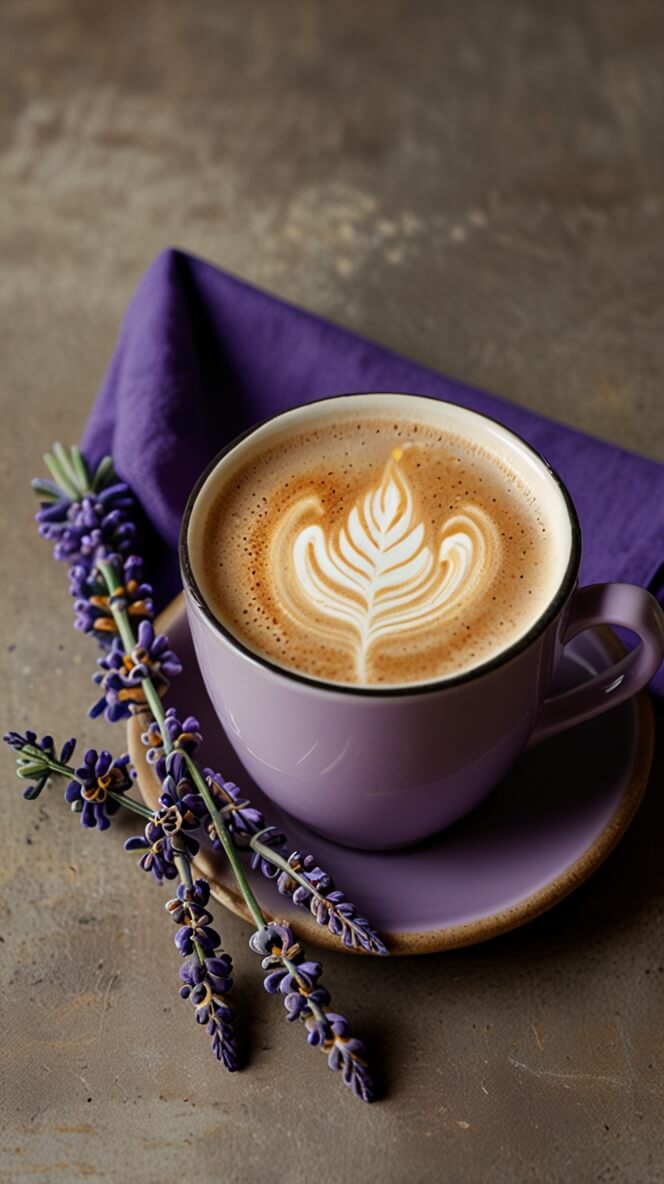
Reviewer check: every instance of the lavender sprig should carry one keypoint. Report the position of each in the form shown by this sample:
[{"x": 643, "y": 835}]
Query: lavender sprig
[
  {"x": 100, "y": 781},
  {"x": 207, "y": 972},
  {"x": 344, "y": 1052},
  {"x": 84, "y": 514},
  {"x": 298, "y": 875},
  {"x": 96, "y": 790},
  {"x": 112, "y": 596},
  {"x": 306, "y": 999},
  {"x": 92, "y": 521}
]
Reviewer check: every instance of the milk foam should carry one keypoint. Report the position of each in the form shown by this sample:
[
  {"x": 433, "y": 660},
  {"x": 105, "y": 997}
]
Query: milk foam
[
  {"x": 376, "y": 549},
  {"x": 376, "y": 576}
]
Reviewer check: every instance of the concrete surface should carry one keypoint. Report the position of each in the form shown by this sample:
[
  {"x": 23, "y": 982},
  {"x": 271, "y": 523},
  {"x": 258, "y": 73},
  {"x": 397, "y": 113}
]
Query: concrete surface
[{"x": 479, "y": 185}]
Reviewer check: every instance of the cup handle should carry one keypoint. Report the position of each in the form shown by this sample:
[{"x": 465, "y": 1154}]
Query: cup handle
[{"x": 607, "y": 604}]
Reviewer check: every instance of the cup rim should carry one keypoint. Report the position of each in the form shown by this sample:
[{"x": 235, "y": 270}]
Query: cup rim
[{"x": 565, "y": 587}]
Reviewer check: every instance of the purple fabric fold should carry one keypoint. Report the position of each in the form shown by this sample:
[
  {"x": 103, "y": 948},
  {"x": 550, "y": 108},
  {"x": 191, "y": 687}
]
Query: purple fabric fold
[{"x": 202, "y": 355}]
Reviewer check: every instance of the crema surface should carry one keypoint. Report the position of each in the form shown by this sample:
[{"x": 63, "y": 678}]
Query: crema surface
[{"x": 376, "y": 551}]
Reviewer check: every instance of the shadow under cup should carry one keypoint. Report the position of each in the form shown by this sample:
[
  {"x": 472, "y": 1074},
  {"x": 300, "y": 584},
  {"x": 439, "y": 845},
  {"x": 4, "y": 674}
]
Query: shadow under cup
[{"x": 379, "y": 767}]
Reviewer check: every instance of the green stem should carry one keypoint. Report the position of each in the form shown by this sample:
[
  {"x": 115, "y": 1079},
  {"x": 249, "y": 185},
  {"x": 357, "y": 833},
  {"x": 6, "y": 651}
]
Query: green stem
[
  {"x": 131, "y": 804},
  {"x": 315, "y": 1008},
  {"x": 39, "y": 756},
  {"x": 181, "y": 862},
  {"x": 156, "y": 707},
  {"x": 111, "y": 577},
  {"x": 278, "y": 860},
  {"x": 226, "y": 841},
  {"x": 292, "y": 969},
  {"x": 60, "y": 770},
  {"x": 126, "y": 634},
  {"x": 121, "y": 618}
]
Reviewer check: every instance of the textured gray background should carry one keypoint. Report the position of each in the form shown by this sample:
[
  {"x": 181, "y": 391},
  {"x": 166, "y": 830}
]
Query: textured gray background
[{"x": 478, "y": 185}]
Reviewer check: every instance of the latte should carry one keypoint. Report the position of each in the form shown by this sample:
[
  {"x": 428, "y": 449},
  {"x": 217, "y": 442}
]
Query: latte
[
  {"x": 374, "y": 550},
  {"x": 369, "y": 549}
]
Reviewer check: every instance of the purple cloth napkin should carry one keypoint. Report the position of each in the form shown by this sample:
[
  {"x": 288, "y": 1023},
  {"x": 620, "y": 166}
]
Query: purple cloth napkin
[{"x": 202, "y": 355}]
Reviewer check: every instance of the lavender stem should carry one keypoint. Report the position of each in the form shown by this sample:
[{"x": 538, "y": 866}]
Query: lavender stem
[
  {"x": 226, "y": 842},
  {"x": 278, "y": 860},
  {"x": 128, "y": 640},
  {"x": 181, "y": 862},
  {"x": 61, "y": 770},
  {"x": 131, "y": 804}
]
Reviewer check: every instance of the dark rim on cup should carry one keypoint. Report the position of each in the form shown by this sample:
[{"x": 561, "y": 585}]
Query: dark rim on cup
[{"x": 566, "y": 585}]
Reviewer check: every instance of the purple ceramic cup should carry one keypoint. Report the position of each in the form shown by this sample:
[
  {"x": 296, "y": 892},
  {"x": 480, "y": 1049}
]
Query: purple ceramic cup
[{"x": 380, "y": 768}]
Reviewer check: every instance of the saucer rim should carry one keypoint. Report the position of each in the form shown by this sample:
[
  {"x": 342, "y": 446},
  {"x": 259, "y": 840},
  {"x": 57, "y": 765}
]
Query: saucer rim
[{"x": 432, "y": 941}]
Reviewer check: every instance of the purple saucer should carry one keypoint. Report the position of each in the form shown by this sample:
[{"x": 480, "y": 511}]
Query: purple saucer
[{"x": 543, "y": 830}]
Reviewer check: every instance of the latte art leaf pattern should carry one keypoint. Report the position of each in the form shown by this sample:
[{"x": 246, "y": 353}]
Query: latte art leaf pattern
[{"x": 377, "y": 576}]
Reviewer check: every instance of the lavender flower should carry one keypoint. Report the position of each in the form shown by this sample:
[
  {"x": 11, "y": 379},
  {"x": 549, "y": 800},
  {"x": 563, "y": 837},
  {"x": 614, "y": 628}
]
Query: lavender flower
[
  {"x": 98, "y": 777},
  {"x": 94, "y": 610},
  {"x": 93, "y": 523},
  {"x": 184, "y": 737},
  {"x": 152, "y": 657},
  {"x": 318, "y": 882},
  {"x": 296, "y": 979},
  {"x": 327, "y": 904},
  {"x": 157, "y": 852},
  {"x": 166, "y": 837},
  {"x": 345, "y": 1054},
  {"x": 196, "y": 931},
  {"x": 242, "y": 819},
  {"x": 19, "y": 741},
  {"x": 303, "y": 880},
  {"x": 180, "y": 796},
  {"x": 153, "y": 741},
  {"x": 188, "y": 909},
  {"x": 91, "y": 600},
  {"x": 195, "y": 896},
  {"x": 177, "y": 817},
  {"x": 122, "y": 675},
  {"x": 212, "y": 1009},
  {"x": 34, "y": 759},
  {"x": 207, "y": 973},
  {"x": 120, "y": 694}
]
